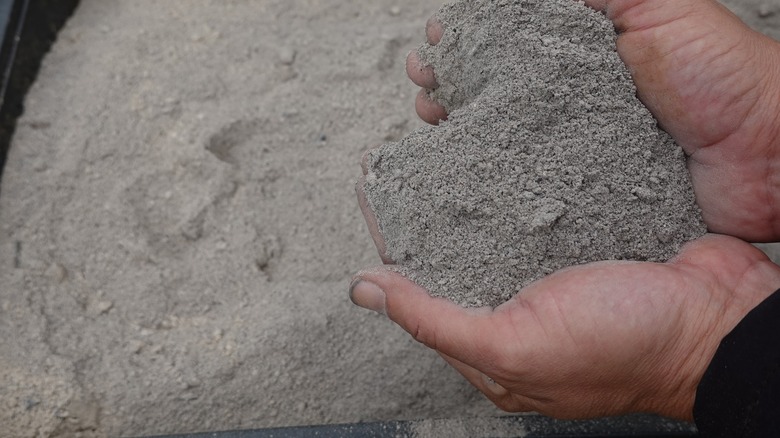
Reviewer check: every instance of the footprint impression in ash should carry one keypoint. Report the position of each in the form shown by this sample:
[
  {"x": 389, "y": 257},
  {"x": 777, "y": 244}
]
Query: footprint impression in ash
[{"x": 547, "y": 158}]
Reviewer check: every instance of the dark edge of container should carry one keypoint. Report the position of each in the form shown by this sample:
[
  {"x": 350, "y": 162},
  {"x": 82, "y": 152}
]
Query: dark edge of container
[
  {"x": 529, "y": 426},
  {"x": 29, "y": 28}
]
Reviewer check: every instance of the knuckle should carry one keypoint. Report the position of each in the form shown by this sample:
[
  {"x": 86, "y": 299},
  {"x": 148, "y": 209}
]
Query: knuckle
[
  {"x": 506, "y": 405},
  {"x": 423, "y": 335},
  {"x": 511, "y": 404}
]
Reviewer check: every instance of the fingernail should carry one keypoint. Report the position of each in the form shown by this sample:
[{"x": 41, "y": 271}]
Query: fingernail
[
  {"x": 494, "y": 387},
  {"x": 368, "y": 296}
]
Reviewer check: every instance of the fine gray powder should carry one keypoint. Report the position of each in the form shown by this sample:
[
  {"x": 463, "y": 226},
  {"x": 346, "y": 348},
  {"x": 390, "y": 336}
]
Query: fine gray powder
[{"x": 547, "y": 160}]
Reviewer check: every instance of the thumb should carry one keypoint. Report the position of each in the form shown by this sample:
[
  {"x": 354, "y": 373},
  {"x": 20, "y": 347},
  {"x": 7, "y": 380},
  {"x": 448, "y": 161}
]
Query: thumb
[{"x": 467, "y": 335}]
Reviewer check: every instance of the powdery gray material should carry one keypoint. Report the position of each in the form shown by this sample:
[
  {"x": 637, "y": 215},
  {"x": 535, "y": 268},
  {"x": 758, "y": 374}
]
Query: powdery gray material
[
  {"x": 548, "y": 158},
  {"x": 224, "y": 332}
]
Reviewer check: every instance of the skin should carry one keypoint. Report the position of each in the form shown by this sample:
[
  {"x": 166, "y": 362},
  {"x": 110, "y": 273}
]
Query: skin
[{"x": 611, "y": 338}]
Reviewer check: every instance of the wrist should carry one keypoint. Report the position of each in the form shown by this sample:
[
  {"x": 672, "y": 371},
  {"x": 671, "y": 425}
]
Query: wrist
[
  {"x": 737, "y": 393},
  {"x": 725, "y": 279},
  {"x": 760, "y": 280}
]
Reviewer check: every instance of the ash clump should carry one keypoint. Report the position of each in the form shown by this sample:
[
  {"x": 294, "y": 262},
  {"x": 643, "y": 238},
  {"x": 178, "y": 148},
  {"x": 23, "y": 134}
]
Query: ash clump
[{"x": 548, "y": 158}]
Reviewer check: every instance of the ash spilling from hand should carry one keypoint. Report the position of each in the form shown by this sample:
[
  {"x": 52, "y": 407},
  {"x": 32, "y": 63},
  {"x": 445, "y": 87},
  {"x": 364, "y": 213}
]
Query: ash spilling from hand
[{"x": 548, "y": 158}]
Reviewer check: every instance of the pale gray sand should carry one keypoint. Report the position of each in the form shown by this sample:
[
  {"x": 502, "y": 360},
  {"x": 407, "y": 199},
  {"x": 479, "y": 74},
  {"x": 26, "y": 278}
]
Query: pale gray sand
[
  {"x": 548, "y": 158},
  {"x": 179, "y": 224},
  {"x": 115, "y": 317}
]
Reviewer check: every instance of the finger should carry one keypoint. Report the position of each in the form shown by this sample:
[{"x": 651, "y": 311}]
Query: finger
[
  {"x": 494, "y": 391},
  {"x": 434, "y": 30},
  {"x": 371, "y": 221},
  {"x": 365, "y": 164},
  {"x": 473, "y": 336},
  {"x": 421, "y": 74},
  {"x": 428, "y": 109}
]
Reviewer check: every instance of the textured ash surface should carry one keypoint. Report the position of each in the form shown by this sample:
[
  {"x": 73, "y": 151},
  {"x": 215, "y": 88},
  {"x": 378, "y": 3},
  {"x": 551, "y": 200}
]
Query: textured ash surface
[
  {"x": 177, "y": 237},
  {"x": 548, "y": 159}
]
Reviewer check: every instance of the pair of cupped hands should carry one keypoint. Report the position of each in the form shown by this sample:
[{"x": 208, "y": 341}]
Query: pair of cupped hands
[{"x": 611, "y": 337}]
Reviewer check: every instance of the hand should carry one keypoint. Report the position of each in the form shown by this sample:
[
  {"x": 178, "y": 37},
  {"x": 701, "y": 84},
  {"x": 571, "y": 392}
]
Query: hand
[
  {"x": 611, "y": 338},
  {"x": 601, "y": 339}
]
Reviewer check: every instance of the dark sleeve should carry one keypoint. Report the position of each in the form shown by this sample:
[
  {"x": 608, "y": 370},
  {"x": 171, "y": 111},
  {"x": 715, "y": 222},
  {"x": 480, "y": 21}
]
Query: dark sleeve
[{"x": 739, "y": 395}]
